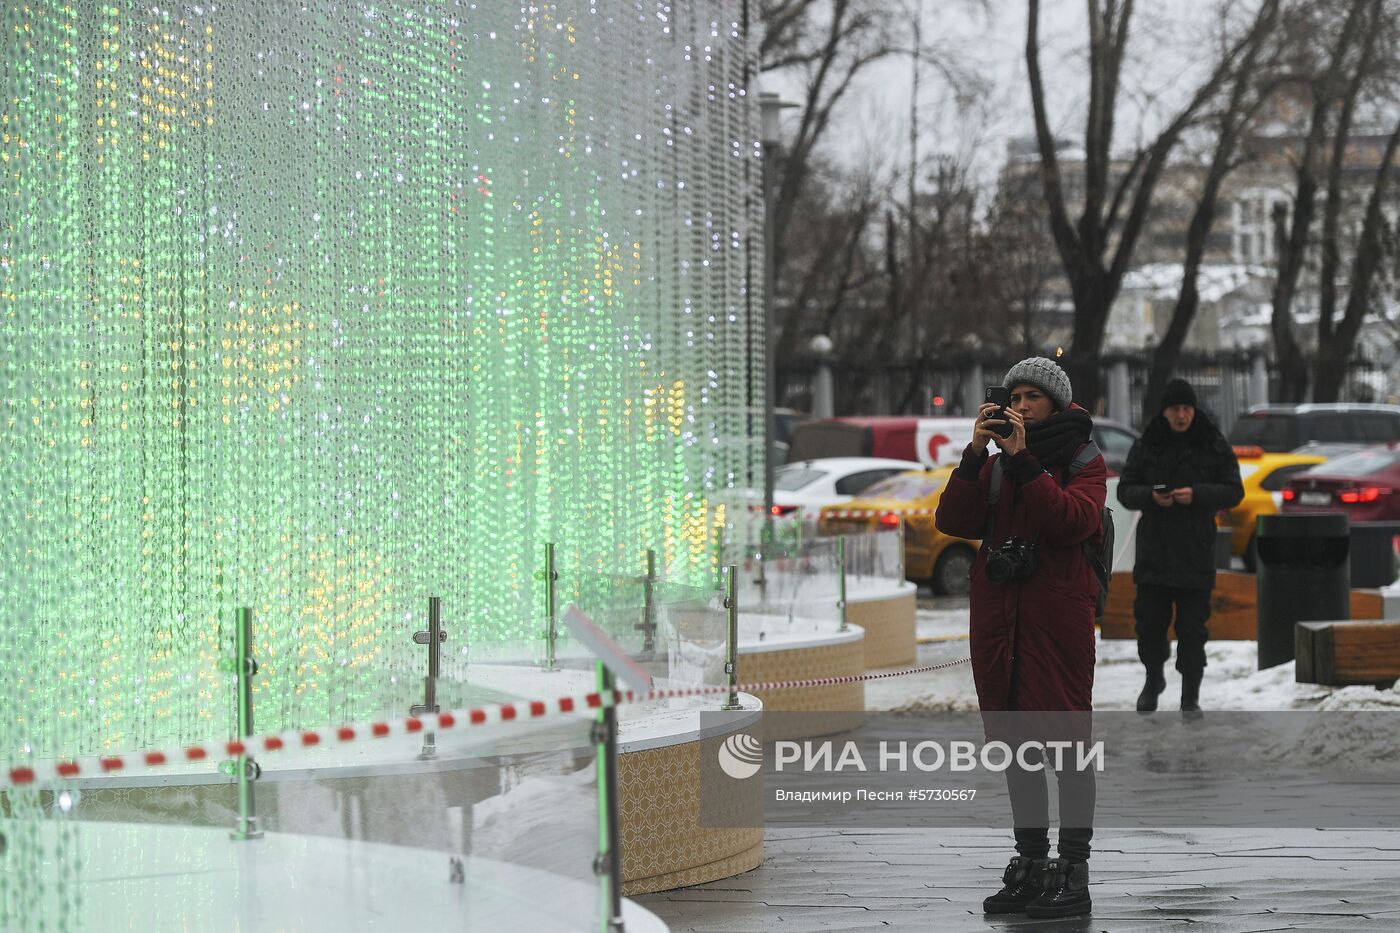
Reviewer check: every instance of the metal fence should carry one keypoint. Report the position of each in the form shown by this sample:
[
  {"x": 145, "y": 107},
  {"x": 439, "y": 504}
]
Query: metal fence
[{"x": 1226, "y": 385}]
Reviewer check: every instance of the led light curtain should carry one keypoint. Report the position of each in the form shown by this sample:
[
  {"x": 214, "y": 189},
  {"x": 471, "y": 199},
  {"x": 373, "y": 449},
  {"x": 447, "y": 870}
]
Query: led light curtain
[{"x": 326, "y": 308}]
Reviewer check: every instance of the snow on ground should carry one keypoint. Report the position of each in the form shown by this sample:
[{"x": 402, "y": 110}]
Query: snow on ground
[{"x": 1232, "y": 680}]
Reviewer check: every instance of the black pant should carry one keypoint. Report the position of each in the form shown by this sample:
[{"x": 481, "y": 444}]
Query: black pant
[
  {"x": 1153, "y": 609},
  {"x": 1030, "y": 810}
]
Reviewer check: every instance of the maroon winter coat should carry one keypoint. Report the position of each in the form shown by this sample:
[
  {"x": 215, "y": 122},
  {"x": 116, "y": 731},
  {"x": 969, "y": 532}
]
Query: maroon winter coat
[{"x": 1043, "y": 627}]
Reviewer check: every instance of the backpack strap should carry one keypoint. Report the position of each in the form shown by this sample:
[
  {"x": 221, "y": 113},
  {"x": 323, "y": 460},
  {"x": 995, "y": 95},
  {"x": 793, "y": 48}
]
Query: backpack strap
[{"x": 1082, "y": 458}]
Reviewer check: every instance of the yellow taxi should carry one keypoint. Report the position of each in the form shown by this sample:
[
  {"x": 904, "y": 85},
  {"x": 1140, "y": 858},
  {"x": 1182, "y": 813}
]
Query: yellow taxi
[
  {"x": 930, "y": 556},
  {"x": 1263, "y": 475}
]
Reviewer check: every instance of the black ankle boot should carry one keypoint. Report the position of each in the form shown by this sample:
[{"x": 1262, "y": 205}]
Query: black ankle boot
[
  {"x": 1021, "y": 884},
  {"x": 1066, "y": 891},
  {"x": 1156, "y": 683},
  {"x": 1190, "y": 695}
]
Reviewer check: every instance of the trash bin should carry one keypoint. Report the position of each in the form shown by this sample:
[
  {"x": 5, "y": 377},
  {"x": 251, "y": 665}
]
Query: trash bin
[
  {"x": 1304, "y": 575},
  {"x": 1224, "y": 542},
  {"x": 1373, "y": 554}
]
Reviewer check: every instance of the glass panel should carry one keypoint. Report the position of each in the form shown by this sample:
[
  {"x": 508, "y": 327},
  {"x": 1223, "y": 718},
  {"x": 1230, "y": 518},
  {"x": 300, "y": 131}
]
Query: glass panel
[
  {"x": 792, "y": 479},
  {"x": 353, "y": 827},
  {"x": 797, "y": 594},
  {"x": 1377, "y": 426},
  {"x": 1270, "y": 431},
  {"x": 857, "y": 483},
  {"x": 1334, "y": 427},
  {"x": 909, "y": 487},
  {"x": 1361, "y": 463},
  {"x": 873, "y": 559},
  {"x": 1275, "y": 480}
]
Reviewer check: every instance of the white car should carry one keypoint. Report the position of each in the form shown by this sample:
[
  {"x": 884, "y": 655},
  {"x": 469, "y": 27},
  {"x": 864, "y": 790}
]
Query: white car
[{"x": 801, "y": 489}]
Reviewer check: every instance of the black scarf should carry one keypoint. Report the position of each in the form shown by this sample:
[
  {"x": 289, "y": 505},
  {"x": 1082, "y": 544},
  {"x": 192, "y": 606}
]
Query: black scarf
[{"x": 1056, "y": 440}]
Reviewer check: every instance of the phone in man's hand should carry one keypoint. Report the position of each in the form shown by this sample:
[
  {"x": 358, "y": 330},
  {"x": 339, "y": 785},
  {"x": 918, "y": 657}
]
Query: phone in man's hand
[{"x": 1001, "y": 396}]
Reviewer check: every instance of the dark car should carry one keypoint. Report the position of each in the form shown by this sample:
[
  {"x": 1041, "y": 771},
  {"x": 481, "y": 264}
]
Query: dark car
[
  {"x": 1365, "y": 485},
  {"x": 1281, "y": 428}
]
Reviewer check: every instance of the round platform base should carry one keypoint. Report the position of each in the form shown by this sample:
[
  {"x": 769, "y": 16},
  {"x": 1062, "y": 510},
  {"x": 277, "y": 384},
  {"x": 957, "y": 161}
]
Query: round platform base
[
  {"x": 144, "y": 877},
  {"x": 886, "y": 610},
  {"x": 806, "y": 657}
]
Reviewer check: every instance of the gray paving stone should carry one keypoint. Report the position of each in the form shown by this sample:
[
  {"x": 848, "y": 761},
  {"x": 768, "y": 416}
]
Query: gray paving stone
[{"x": 1249, "y": 881}]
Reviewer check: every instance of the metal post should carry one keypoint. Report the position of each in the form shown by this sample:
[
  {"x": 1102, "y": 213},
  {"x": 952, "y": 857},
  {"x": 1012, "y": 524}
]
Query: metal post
[
  {"x": 608, "y": 865},
  {"x": 433, "y": 637},
  {"x": 648, "y": 624},
  {"x": 841, "y": 576},
  {"x": 901, "y": 547},
  {"x": 972, "y": 388},
  {"x": 551, "y": 576},
  {"x": 731, "y": 635},
  {"x": 1120, "y": 404},
  {"x": 245, "y": 666},
  {"x": 765, "y": 547}
]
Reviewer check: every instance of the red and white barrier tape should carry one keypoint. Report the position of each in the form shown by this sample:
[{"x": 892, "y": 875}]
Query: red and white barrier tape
[
  {"x": 874, "y": 513},
  {"x": 63, "y": 769}
]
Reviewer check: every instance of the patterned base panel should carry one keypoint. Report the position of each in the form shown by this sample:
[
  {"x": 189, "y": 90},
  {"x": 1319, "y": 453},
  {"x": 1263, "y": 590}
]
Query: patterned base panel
[
  {"x": 724, "y": 868},
  {"x": 844, "y": 704},
  {"x": 890, "y": 638},
  {"x": 663, "y": 844}
]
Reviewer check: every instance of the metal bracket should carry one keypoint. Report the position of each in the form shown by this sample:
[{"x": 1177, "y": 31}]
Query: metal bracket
[
  {"x": 456, "y": 872},
  {"x": 426, "y": 638},
  {"x": 600, "y": 732}
]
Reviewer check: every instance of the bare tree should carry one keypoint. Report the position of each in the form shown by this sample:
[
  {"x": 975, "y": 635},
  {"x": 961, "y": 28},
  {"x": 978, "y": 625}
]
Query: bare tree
[
  {"x": 1333, "y": 87},
  {"x": 1097, "y": 249},
  {"x": 1247, "y": 94},
  {"x": 829, "y": 43},
  {"x": 1337, "y": 341},
  {"x": 1336, "y": 345},
  {"x": 1023, "y": 255}
]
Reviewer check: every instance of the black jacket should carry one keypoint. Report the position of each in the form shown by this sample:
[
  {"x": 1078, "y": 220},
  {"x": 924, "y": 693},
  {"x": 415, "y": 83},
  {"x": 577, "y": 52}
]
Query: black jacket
[{"x": 1176, "y": 544}]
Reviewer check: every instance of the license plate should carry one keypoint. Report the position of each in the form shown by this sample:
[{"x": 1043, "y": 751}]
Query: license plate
[{"x": 1314, "y": 498}]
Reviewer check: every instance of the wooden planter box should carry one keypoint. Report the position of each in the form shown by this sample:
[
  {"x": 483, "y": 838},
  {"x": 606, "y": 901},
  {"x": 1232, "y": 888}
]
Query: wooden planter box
[
  {"x": 1233, "y": 616},
  {"x": 1341, "y": 653}
]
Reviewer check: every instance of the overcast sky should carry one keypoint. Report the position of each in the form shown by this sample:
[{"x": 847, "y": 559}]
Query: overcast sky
[{"x": 1170, "y": 45}]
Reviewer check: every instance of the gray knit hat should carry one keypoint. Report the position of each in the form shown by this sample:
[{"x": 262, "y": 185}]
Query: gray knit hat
[{"x": 1045, "y": 375}]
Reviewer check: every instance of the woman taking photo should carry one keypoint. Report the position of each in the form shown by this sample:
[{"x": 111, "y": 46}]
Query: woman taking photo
[{"x": 1033, "y": 598}]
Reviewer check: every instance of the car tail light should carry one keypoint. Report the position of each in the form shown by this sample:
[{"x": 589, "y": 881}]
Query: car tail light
[
  {"x": 889, "y": 520},
  {"x": 1365, "y": 494},
  {"x": 783, "y": 509},
  {"x": 1248, "y": 451},
  {"x": 1289, "y": 494}
]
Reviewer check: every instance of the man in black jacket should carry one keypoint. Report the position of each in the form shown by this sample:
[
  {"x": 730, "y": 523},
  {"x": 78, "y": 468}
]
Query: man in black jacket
[{"x": 1179, "y": 474}]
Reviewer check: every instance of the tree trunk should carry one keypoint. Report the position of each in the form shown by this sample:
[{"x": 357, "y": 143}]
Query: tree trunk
[
  {"x": 1329, "y": 374},
  {"x": 1093, "y": 297},
  {"x": 1095, "y": 275},
  {"x": 1335, "y": 350},
  {"x": 1292, "y": 368}
]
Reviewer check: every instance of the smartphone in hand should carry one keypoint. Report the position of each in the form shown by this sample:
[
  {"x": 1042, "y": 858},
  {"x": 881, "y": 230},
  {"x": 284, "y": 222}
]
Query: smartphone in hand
[{"x": 1000, "y": 395}]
